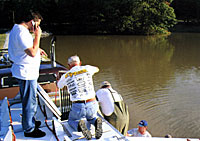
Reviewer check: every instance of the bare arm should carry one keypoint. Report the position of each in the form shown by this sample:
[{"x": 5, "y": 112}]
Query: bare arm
[{"x": 36, "y": 43}]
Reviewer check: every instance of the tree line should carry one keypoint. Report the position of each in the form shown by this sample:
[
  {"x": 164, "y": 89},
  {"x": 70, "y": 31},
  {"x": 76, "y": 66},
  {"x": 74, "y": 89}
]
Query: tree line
[{"x": 145, "y": 17}]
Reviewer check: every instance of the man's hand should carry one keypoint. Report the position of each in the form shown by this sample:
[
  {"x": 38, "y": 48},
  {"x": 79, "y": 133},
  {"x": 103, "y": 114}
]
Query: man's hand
[
  {"x": 42, "y": 52},
  {"x": 38, "y": 30}
]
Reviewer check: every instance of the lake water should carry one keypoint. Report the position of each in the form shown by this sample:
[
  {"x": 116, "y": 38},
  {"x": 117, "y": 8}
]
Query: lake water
[{"x": 158, "y": 77}]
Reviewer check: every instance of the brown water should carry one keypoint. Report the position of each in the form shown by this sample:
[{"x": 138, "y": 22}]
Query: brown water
[{"x": 158, "y": 77}]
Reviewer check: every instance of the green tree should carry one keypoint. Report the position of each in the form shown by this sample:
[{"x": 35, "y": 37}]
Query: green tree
[
  {"x": 95, "y": 16},
  {"x": 152, "y": 17},
  {"x": 113, "y": 15}
]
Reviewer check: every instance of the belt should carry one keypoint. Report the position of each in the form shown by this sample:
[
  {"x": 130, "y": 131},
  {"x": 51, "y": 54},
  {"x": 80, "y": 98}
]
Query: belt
[{"x": 85, "y": 101}]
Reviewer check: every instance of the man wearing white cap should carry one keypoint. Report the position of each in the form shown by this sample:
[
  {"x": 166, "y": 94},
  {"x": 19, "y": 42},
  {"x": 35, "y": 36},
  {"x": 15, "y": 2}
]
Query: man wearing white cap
[
  {"x": 81, "y": 89},
  {"x": 113, "y": 108}
]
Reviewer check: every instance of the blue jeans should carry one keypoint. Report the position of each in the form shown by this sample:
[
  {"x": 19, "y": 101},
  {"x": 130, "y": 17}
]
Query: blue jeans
[
  {"x": 28, "y": 89},
  {"x": 80, "y": 111}
]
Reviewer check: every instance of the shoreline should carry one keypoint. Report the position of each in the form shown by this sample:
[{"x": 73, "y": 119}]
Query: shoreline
[{"x": 178, "y": 28}]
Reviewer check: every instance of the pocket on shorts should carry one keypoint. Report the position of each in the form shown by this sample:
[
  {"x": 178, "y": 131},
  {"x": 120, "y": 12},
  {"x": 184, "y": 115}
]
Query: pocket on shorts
[{"x": 92, "y": 110}]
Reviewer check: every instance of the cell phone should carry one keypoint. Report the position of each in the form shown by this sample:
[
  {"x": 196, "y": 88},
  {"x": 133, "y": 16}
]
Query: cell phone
[{"x": 34, "y": 25}]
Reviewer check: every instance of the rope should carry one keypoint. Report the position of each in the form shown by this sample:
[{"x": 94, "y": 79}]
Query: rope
[
  {"x": 45, "y": 115},
  {"x": 13, "y": 134},
  {"x": 56, "y": 92}
]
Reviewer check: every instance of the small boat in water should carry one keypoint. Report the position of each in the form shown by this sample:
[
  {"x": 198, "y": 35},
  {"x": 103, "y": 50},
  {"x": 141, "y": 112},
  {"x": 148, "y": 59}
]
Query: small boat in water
[{"x": 52, "y": 111}]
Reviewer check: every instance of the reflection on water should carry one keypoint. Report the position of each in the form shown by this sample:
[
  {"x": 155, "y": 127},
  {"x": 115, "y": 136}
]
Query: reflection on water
[{"x": 159, "y": 77}]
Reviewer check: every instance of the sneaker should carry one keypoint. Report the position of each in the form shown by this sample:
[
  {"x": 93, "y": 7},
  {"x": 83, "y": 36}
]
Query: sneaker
[
  {"x": 98, "y": 128},
  {"x": 37, "y": 124},
  {"x": 84, "y": 130},
  {"x": 36, "y": 133}
]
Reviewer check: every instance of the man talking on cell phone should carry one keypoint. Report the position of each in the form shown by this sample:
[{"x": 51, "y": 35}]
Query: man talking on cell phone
[{"x": 25, "y": 53}]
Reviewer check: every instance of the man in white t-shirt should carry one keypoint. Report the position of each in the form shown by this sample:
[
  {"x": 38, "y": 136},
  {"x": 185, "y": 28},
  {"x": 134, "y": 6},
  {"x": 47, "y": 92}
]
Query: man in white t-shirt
[
  {"x": 25, "y": 53},
  {"x": 84, "y": 105},
  {"x": 141, "y": 131},
  {"x": 113, "y": 108}
]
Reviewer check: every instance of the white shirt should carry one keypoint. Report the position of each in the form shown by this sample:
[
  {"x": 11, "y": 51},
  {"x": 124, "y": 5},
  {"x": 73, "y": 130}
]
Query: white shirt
[
  {"x": 106, "y": 100},
  {"x": 24, "y": 67},
  {"x": 135, "y": 133},
  {"x": 79, "y": 82}
]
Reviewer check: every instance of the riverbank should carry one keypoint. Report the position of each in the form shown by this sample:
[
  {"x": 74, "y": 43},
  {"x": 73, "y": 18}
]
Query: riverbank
[
  {"x": 178, "y": 28},
  {"x": 181, "y": 27}
]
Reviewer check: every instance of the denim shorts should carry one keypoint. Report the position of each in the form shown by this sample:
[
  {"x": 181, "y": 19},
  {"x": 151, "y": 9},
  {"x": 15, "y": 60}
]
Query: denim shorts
[{"x": 85, "y": 111}]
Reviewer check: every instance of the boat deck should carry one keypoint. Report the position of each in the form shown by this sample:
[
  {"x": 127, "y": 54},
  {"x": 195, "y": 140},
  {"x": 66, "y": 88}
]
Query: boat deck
[{"x": 109, "y": 133}]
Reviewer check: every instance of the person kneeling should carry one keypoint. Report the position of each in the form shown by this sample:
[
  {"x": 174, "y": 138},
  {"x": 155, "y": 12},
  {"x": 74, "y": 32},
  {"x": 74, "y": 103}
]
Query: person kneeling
[{"x": 84, "y": 105}]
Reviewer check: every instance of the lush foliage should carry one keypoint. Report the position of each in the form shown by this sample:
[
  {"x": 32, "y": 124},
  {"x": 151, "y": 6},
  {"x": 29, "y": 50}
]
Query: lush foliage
[
  {"x": 152, "y": 16},
  {"x": 95, "y": 16}
]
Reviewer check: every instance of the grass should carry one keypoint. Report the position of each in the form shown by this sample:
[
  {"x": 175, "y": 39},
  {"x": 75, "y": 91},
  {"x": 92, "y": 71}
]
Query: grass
[{"x": 2, "y": 40}]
